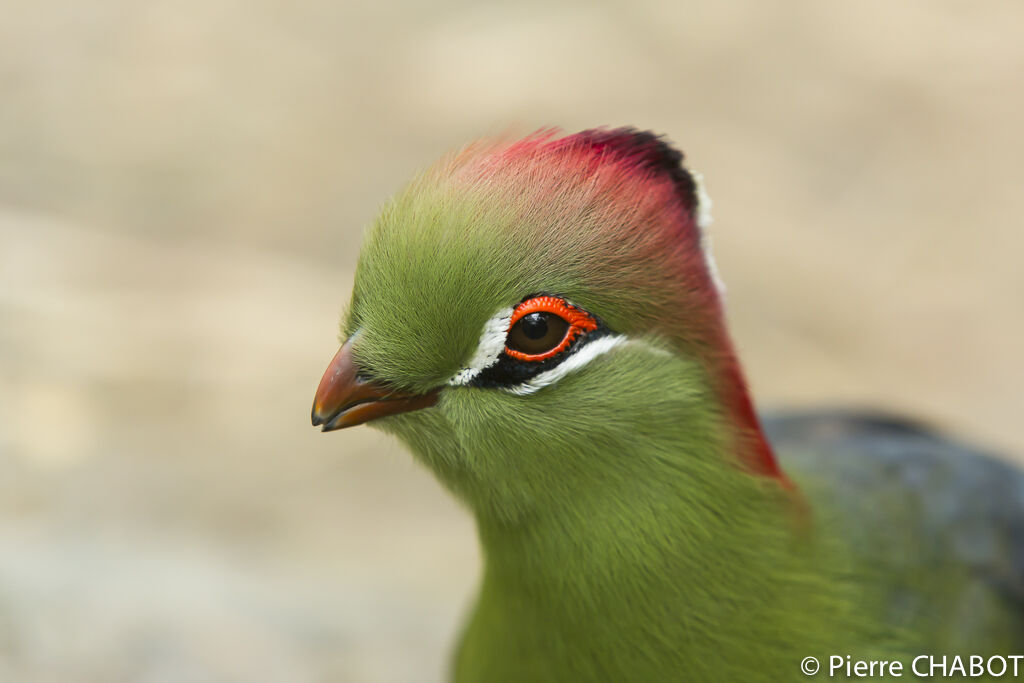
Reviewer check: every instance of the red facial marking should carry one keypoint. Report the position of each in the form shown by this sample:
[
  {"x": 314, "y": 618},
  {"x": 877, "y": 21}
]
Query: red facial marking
[{"x": 579, "y": 322}]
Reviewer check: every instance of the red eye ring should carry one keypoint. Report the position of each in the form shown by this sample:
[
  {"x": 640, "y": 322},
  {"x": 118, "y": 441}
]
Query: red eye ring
[{"x": 579, "y": 322}]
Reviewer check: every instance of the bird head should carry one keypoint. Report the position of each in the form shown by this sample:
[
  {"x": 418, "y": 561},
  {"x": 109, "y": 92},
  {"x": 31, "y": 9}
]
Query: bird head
[{"x": 540, "y": 317}]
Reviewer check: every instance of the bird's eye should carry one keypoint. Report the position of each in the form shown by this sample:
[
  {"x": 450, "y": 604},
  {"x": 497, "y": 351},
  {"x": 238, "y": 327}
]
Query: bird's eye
[
  {"x": 544, "y": 326},
  {"x": 537, "y": 333}
]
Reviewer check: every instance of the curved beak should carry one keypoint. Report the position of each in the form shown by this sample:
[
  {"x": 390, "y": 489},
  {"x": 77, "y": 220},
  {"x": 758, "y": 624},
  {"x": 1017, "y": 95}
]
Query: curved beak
[{"x": 345, "y": 399}]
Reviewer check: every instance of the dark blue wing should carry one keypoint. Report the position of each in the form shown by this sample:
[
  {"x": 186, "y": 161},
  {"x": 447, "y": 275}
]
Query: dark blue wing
[{"x": 946, "y": 519}]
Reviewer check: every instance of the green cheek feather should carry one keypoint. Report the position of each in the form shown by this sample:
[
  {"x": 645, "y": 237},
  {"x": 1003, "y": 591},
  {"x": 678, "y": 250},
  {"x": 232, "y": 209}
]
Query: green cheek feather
[
  {"x": 538, "y": 321},
  {"x": 619, "y": 543}
]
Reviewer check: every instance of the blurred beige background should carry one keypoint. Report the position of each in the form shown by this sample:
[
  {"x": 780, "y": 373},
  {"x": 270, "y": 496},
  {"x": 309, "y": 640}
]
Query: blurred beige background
[{"x": 183, "y": 187}]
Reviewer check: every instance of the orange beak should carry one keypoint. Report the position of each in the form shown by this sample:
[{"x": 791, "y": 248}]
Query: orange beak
[{"x": 345, "y": 399}]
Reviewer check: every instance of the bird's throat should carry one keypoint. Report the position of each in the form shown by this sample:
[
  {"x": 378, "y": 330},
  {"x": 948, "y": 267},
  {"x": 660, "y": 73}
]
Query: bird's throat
[{"x": 638, "y": 585}]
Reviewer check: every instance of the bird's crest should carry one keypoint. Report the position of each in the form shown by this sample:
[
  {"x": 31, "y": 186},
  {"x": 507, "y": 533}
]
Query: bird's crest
[{"x": 644, "y": 151}]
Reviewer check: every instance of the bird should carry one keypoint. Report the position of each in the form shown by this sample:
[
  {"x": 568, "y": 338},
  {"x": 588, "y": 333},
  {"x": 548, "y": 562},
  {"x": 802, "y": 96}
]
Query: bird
[{"x": 541, "y": 322}]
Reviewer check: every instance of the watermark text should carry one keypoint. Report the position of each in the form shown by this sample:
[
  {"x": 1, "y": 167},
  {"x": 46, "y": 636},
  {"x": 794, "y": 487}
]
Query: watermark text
[{"x": 921, "y": 666}]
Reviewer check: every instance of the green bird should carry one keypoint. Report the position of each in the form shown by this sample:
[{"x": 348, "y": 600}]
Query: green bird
[{"x": 541, "y": 322}]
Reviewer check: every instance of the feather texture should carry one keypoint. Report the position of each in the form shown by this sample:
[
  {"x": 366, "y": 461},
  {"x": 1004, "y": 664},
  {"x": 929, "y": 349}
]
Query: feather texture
[{"x": 634, "y": 521}]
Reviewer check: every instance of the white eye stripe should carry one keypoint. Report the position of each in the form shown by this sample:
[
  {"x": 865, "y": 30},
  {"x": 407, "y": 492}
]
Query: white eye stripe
[
  {"x": 492, "y": 343},
  {"x": 582, "y": 358},
  {"x": 587, "y": 353}
]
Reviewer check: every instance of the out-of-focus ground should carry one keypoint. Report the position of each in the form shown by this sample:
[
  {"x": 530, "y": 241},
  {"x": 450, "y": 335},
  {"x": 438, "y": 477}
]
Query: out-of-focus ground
[{"x": 182, "y": 191}]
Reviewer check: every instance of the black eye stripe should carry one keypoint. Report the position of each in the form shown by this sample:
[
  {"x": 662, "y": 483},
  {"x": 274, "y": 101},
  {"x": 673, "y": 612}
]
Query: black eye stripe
[{"x": 509, "y": 372}]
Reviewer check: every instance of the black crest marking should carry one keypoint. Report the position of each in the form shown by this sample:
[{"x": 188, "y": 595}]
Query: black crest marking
[{"x": 649, "y": 151}]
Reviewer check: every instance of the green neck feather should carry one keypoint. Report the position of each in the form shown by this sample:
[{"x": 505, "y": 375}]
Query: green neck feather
[
  {"x": 715, "y": 587},
  {"x": 631, "y": 547}
]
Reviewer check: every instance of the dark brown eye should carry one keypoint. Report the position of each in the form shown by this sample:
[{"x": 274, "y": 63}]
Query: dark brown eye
[
  {"x": 543, "y": 326},
  {"x": 537, "y": 333}
]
